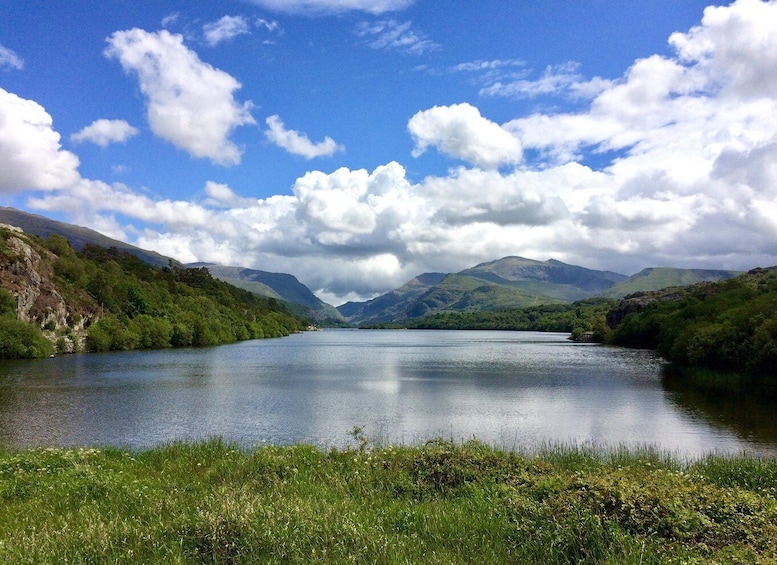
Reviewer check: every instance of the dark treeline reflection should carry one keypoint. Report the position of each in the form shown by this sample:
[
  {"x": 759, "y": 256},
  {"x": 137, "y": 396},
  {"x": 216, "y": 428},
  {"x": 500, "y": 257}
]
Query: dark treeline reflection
[{"x": 727, "y": 401}]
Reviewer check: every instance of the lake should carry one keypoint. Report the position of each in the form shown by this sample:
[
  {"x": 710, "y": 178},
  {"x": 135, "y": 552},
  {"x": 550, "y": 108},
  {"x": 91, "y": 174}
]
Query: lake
[{"x": 509, "y": 389}]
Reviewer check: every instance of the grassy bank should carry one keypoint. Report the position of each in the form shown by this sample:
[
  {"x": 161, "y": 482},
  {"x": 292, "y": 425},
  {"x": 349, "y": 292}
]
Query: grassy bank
[{"x": 437, "y": 503}]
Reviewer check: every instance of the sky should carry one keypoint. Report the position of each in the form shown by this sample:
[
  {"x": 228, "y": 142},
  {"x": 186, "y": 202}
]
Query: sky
[{"x": 358, "y": 143}]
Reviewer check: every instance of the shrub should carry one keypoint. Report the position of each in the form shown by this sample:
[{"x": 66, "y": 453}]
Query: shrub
[{"x": 21, "y": 340}]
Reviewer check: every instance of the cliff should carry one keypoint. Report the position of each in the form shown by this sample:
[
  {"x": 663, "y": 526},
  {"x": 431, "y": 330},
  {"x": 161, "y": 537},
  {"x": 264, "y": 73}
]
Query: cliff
[{"x": 27, "y": 273}]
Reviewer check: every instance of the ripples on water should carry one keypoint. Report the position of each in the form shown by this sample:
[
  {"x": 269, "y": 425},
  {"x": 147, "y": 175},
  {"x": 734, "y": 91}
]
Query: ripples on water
[{"x": 511, "y": 389}]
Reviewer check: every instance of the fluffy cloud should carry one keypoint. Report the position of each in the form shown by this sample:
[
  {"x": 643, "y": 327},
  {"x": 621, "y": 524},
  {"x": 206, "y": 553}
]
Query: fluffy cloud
[
  {"x": 222, "y": 196},
  {"x": 735, "y": 47},
  {"x": 104, "y": 132},
  {"x": 31, "y": 156},
  {"x": 461, "y": 132},
  {"x": 190, "y": 103},
  {"x": 225, "y": 29},
  {"x": 687, "y": 146},
  {"x": 395, "y": 36},
  {"x": 298, "y": 143},
  {"x": 316, "y": 7},
  {"x": 10, "y": 59}
]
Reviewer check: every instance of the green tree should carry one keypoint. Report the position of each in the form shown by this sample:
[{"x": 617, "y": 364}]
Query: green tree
[{"x": 22, "y": 340}]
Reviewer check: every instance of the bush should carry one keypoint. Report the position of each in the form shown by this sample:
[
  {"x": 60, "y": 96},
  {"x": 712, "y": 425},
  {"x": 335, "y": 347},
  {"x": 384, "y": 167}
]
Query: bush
[
  {"x": 726, "y": 326},
  {"x": 152, "y": 333},
  {"x": 108, "y": 334},
  {"x": 7, "y": 303},
  {"x": 21, "y": 340}
]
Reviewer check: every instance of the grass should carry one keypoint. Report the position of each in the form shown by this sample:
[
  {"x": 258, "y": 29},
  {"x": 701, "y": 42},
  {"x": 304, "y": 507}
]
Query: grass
[{"x": 440, "y": 502}]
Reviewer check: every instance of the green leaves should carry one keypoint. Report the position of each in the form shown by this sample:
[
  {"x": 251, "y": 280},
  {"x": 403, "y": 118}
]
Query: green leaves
[
  {"x": 20, "y": 340},
  {"x": 730, "y": 325}
]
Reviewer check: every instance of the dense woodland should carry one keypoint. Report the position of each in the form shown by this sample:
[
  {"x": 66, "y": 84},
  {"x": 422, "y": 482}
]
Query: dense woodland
[
  {"x": 585, "y": 317},
  {"x": 124, "y": 303},
  {"x": 727, "y": 326},
  {"x": 133, "y": 305}
]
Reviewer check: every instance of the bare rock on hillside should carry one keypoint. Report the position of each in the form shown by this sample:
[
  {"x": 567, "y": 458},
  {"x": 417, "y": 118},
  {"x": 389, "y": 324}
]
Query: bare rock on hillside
[
  {"x": 29, "y": 277},
  {"x": 637, "y": 302}
]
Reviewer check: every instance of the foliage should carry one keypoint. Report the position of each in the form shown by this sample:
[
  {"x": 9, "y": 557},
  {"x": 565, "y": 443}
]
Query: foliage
[
  {"x": 148, "y": 307},
  {"x": 129, "y": 304},
  {"x": 21, "y": 340},
  {"x": 435, "y": 503},
  {"x": 729, "y": 325},
  {"x": 18, "y": 339},
  {"x": 7, "y": 303},
  {"x": 577, "y": 318}
]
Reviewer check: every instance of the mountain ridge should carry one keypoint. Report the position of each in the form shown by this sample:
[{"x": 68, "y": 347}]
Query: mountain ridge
[
  {"x": 281, "y": 286},
  {"x": 514, "y": 282},
  {"x": 509, "y": 282},
  {"x": 78, "y": 236}
]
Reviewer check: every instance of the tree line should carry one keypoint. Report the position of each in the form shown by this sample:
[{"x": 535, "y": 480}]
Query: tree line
[
  {"x": 130, "y": 304},
  {"x": 728, "y": 326},
  {"x": 585, "y": 318}
]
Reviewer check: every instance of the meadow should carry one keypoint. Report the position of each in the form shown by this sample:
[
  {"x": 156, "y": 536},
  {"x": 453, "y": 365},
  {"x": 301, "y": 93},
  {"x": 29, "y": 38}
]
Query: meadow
[{"x": 440, "y": 502}]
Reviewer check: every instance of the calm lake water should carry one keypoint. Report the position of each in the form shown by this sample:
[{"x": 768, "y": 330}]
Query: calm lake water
[{"x": 510, "y": 389}]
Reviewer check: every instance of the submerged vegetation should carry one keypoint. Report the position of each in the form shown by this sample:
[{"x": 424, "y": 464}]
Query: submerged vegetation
[{"x": 436, "y": 503}]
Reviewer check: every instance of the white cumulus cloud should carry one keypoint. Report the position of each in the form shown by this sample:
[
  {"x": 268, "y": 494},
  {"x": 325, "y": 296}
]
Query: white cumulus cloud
[
  {"x": 103, "y": 132},
  {"x": 31, "y": 156},
  {"x": 298, "y": 143},
  {"x": 685, "y": 147},
  {"x": 460, "y": 131},
  {"x": 225, "y": 29},
  {"x": 190, "y": 103}
]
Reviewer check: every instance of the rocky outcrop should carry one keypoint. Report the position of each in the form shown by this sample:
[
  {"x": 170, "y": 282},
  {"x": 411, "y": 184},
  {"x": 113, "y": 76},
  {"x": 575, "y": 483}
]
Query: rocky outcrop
[
  {"x": 637, "y": 302},
  {"x": 26, "y": 271}
]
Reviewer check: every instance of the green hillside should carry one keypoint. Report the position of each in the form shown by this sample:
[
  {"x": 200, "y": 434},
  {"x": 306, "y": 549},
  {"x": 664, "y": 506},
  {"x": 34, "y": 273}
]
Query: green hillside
[
  {"x": 299, "y": 299},
  {"x": 508, "y": 283},
  {"x": 79, "y": 237},
  {"x": 392, "y": 305},
  {"x": 549, "y": 278},
  {"x": 665, "y": 277},
  {"x": 459, "y": 293},
  {"x": 106, "y": 299},
  {"x": 280, "y": 286},
  {"x": 729, "y": 325}
]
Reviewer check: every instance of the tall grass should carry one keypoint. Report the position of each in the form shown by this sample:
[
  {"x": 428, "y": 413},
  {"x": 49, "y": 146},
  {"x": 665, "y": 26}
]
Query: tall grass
[{"x": 440, "y": 502}]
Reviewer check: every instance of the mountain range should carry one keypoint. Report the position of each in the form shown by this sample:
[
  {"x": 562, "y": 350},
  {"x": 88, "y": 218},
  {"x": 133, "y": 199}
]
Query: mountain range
[
  {"x": 510, "y": 282},
  {"x": 513, "y": 282}
]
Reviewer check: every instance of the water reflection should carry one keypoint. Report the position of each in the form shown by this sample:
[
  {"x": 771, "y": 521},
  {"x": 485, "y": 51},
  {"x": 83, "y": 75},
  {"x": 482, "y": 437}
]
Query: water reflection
[
  {"x": 508, "y": 388},
  {"x": 725, "y": 403}
]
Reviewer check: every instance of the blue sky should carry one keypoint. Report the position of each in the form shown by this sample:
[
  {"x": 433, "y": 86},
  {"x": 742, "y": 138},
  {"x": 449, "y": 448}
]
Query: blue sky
[{"x": 358, "y": 143}]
